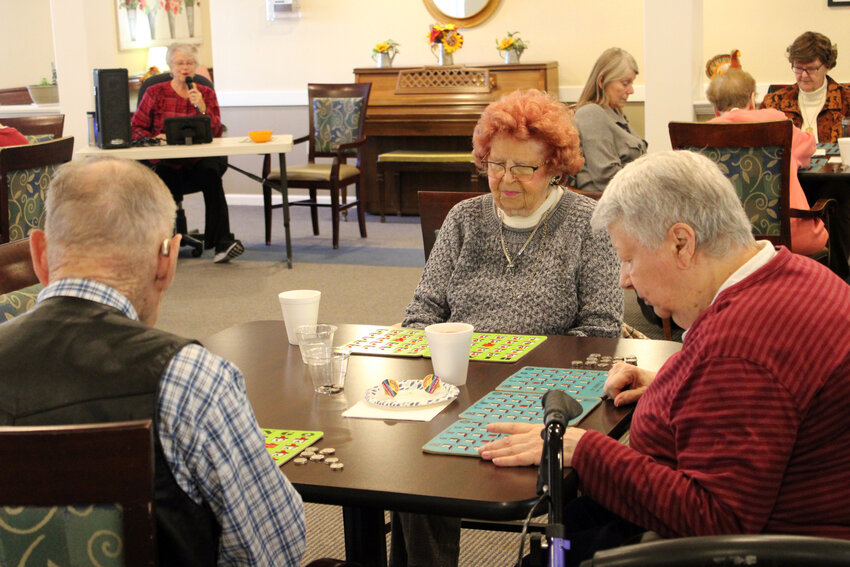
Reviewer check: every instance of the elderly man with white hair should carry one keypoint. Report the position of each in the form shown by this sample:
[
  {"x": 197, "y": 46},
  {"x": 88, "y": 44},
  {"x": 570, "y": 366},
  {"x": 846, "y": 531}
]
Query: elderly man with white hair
[
  {"x": 745, "y": 430},
  {"x": 88, "y": 353}
]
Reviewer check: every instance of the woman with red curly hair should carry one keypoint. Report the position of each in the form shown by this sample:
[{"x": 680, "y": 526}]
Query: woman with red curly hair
[{"x": 521, "y": 259}]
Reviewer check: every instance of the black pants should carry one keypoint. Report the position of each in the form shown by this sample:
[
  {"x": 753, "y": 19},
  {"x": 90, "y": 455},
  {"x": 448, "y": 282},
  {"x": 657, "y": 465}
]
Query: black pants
[{"x": 203, "y": 175}]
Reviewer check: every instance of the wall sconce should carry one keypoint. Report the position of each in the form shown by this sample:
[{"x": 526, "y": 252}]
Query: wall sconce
[{"x": 283, "y": 10}]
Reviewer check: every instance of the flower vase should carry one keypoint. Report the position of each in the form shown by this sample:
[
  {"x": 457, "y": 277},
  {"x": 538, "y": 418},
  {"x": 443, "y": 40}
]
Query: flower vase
[
  {"x": 131, "y": 23},
  {"x": 511, "y": 57},
  {"x": 190, "y": 18},
  {"x": 171, "y": 23},
  {"x": 443, "y": 57},
  {"x": 384, "y": 60},
  {"x": 152, "y": 21}
]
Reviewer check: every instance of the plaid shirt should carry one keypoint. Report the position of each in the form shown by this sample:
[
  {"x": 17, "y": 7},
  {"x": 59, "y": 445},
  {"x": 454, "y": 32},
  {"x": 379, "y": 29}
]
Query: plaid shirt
[
  {"x": 161, "y": 102},
  {"x": 215, "y": 448}
]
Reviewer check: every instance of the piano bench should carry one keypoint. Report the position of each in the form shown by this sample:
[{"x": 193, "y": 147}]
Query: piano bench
[{"x": 391, "y": 164}]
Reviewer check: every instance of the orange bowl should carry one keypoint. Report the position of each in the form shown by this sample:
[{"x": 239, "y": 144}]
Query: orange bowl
[{"x": 260, "y": 136}]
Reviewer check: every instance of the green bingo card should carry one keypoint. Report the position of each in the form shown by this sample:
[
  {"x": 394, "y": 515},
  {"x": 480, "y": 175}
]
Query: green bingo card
[
  {"x": 492, "y": 347},
  {"x": 284, "y": 444}
]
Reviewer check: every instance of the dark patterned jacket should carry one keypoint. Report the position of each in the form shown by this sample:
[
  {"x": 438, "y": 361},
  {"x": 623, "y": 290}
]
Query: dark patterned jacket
[{"x": 836, "y": 107}]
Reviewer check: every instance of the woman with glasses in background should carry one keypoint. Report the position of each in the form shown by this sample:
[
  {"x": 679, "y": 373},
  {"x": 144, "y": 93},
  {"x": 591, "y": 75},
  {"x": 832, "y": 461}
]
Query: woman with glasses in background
[
  {"x": 522, "y": 259},
  {"x": 607, "y": 140},
  {"x": 815, "y": 103}
]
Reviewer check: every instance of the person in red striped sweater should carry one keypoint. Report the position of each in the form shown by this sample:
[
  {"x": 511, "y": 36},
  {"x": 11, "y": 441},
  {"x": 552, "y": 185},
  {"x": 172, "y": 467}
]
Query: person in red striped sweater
[{"x": 746, "y": 429}]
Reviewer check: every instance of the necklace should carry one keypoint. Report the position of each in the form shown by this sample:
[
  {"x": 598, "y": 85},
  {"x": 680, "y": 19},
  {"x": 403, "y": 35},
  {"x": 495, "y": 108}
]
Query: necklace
[
  {"x": 804, "y": 102},
  {"x": 512, "y": 261}
]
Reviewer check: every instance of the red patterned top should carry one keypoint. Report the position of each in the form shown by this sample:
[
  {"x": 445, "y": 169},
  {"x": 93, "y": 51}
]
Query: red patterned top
[
  {"x": 746, "y": 429},
  {"x": 161, "y": 102}
]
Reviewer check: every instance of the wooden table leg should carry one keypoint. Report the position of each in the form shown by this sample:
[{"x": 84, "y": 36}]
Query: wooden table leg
[{"x": 365, "y": 536}]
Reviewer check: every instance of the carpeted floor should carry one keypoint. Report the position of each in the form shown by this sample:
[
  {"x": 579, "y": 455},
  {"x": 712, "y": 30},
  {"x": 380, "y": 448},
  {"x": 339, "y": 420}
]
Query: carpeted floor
[{"x": 367, "y": 281}]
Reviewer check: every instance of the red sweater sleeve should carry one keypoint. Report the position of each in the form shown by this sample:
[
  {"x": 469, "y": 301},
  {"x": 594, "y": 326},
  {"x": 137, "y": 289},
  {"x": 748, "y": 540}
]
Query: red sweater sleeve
[{"x": 710, "y": 462}]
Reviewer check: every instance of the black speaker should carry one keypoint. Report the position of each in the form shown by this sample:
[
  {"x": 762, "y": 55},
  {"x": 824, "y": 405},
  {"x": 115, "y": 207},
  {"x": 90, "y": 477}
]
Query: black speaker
[{"x": 112, "y": 108}]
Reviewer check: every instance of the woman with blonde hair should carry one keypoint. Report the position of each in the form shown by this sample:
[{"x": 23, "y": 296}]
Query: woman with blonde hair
[{"x": 607, "y": 140}]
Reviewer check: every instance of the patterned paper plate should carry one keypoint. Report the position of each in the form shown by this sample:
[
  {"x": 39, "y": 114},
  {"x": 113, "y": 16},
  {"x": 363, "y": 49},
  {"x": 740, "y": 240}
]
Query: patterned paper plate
[{"x": 411, "y": 394}]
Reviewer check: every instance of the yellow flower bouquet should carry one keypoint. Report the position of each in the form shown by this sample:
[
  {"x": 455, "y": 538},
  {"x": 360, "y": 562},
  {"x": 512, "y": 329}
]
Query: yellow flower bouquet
[
  {"x": 512, "y": 43},
  {"x": 389, "y": 47},
  {"x": 447, "y": 35}
]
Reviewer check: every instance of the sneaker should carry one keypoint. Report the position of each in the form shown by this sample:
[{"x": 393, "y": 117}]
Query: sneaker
[{"x": 233, "y": 250}]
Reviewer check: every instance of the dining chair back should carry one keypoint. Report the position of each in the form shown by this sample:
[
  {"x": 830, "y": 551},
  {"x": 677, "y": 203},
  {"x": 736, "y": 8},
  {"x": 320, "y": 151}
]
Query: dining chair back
[
  {"x": 337, "y": 113},
  {"x": 77, "y": 494},
  {"x": 433, "y": 208},
  {"x": 756, "y": 157},
  {"x": 25, "y": 173},
  {"x": 37, "y": 128},
  {"x": 19, "y": 285}
]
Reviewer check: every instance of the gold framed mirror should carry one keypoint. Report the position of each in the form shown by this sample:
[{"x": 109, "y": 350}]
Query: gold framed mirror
[{"x": 464, "y": 13}]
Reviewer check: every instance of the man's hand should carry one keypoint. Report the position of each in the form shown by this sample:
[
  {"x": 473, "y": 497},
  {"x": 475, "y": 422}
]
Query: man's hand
[
  {"x": 524, "y": 445},
  {"x": 626, "y": 383}
]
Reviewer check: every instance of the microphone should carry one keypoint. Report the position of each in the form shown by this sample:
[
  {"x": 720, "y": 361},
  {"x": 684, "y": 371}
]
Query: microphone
[
  {"x": 190, "y": 82},
  {"x": 559, "y": 407}
]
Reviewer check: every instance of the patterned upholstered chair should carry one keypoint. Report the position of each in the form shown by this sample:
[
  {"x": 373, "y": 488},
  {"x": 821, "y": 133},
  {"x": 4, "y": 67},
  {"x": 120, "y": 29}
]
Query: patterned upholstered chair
[
  {"x": 19, "y": 285},
  {"x": 337, "y": 114},
  {"x": 77, "y": 495},
  {"x": 25, "y": 172},
  {"x": 756, "y": 157}
]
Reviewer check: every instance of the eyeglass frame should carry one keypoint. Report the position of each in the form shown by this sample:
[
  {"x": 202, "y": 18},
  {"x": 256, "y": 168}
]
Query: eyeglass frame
[
  {"x": 808, "y": 70},
  {"x": 487, "y": 163}
]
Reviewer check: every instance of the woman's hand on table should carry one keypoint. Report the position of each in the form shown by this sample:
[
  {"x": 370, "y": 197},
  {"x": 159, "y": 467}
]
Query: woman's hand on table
[
  {"x": 626, "y": 383},
  {"x": 524, "y": 446}
]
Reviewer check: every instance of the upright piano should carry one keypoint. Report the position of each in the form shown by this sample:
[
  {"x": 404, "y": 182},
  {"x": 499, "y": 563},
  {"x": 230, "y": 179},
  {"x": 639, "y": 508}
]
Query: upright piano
[{"x": 433, "y": 118}]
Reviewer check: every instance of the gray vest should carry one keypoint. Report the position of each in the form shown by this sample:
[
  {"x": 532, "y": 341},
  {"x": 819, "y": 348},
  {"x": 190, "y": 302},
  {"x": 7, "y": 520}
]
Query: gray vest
[{"x": 76, "y": 361}]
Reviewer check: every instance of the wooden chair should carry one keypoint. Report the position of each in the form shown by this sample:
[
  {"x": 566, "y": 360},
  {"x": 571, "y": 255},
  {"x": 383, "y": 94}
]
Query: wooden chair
[
  {"x": 756, "y": 157},
  {"x": 25, "y": 172},
  {"x": 37, "y": 128},
  {"x": 337, "y": 114},
  {"x": 433, "y": 208},
  {"x": 78, "y": 480}
]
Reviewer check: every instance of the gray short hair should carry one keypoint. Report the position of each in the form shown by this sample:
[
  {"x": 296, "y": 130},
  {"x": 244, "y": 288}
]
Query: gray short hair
[
  {"x": 656, "y": 191},
  {"x": 107, "y": 207},
  {"x": 185, "y": 48}
]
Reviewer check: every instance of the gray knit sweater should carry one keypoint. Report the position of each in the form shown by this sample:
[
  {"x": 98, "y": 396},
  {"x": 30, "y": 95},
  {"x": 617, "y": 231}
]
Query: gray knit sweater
[{"x": 569, "y": 287}]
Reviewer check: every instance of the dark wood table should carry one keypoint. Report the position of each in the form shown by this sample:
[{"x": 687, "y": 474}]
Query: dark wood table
[
  {"x": 824, "y": 180},
  {"x": 385, "y": 468}
]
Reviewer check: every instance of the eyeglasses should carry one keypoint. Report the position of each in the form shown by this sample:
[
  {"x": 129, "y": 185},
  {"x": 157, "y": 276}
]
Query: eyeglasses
[
  {"x": 809, "y": 70},
  {"x": 497, "y": 170},
  {"x": 184, "y": 63}
]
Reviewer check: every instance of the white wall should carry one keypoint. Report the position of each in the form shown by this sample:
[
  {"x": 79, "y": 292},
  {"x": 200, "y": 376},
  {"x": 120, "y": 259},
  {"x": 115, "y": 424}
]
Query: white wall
[{"x": 262, "y": 68}]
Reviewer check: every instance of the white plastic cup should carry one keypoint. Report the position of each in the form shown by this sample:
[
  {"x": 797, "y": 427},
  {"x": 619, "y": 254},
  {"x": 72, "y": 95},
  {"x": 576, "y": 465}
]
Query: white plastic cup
[
  {"x": 300, "y": 307},
  {"x": 319, "y": 338},
  {"x": 449, "y": 344},
  {"x": 844, "y": 148}
]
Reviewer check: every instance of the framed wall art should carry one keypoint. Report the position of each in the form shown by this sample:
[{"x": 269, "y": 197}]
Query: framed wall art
[{"x": 147, "y": 23}]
